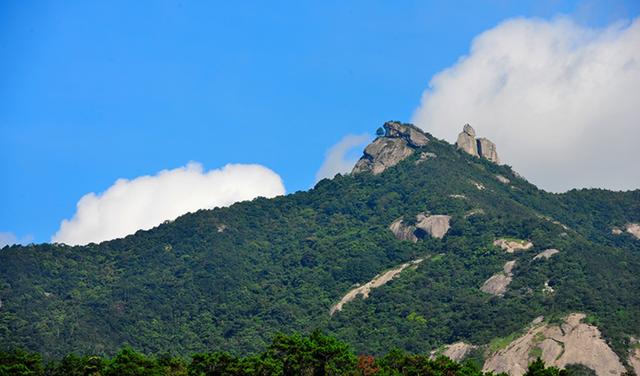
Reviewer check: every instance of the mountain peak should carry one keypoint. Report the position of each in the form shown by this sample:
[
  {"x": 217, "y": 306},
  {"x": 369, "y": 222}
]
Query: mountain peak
[{"x": 398, "y": 142}]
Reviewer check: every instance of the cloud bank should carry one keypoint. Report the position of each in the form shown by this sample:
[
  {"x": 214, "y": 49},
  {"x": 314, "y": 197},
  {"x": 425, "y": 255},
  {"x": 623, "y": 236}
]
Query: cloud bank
[
  {"x": 147, "y": 201},
  {"x": 341, "y": 157},
  {"x": 9, "y": 238},
  {"x": 560, "y": 100}
]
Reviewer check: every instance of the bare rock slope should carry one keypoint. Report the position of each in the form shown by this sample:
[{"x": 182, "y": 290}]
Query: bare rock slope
[
  {"x": 497, "y": 284},
  {"x": 399, "y": 142},
  {"x": 573, "y": 342},
  {"x": 377, "y": 281}
]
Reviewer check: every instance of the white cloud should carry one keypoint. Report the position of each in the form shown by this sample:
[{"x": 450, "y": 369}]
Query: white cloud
[
  {"x": 341, "y": 157},
  {"x": 146, "y": 201},
  {"x": 560, "y": 100},
  {"x": 9, "y": 238}
]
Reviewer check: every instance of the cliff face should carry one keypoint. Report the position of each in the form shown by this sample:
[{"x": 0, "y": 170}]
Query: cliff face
[
  {"x": 399, "y": 142},
  {"x": 481, "y": 147}
]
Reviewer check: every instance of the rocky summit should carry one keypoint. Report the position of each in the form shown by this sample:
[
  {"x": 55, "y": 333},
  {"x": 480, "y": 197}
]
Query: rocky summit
[
  {"x": 481, "y": 147},
  {"x": 399, "y": 141}
]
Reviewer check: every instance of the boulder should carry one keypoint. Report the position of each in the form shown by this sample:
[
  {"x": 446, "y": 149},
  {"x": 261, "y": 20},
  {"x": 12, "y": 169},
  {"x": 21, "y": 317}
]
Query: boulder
[
  {"x": 633, "y": 229},
  {"x": 467, "y": 141},
  {"x": 487, "y": 150},
  {"x": 434, "y": 225},
  {"x": 547, "y": 253},
  {"x": 497, "y": 284},
  {"x": 399, "y": 142},
  {"x": 402, "y": 231}
]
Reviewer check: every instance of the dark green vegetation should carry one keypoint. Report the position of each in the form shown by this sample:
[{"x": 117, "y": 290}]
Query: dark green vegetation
[
  {"x": 280, "y": 264},
  {"x": 295, "y": 355}
]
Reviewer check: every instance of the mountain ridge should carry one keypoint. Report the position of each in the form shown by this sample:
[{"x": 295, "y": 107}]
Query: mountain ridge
[{"x": 281, "y": 263}]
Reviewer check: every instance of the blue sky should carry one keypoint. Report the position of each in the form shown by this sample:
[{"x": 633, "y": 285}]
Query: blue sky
[{"x": 91, "y": 91}]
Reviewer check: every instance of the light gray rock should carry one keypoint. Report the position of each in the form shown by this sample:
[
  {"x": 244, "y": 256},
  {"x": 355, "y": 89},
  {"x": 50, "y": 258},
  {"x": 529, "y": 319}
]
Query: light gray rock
[
  {"x": 399, "y": 142},
  {"x": 498, "y": 283},
  {"x": 402, "y": 231},
  {"x": 382, "y": 154},
  {"x": 434, "y": 225},
  {"x": 467, "y": 141},
  {"x": 502, "y": 179},
  {"x": 425, "y": 155},
  {"x": 487, "y": 150},
  {"x": 410, "y": 133},
  {"x": 633, "y": 229},
  {"x": 547, "y": 253}
]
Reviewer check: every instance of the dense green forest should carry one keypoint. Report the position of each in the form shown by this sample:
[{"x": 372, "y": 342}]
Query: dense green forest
[
  {"x": 294, "y": 355},
  {"x": 232, "y": 278}
]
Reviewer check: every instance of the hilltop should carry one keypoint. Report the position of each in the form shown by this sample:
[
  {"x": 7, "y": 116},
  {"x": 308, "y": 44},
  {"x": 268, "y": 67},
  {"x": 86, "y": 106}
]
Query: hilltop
[{"x": 430, "y": 244}]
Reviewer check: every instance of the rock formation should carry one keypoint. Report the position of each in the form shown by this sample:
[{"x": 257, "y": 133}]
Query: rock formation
[
  {"x": 547, "y": 253},
  {"x": 434, "y": 225},
  {"x": 497, "y": 284},
  {"x": 456, "y": 351},
  {"x": 487, "y": 149},
  {"x": 502, "y": 179},
  {"x": 402, "y": 231},
  {"x": 377, "y": 281},
  {"x": 512, "y": 245},
  {"x": 399, "y": 142},
  {"x": 467, "y": 140},
  {"x": 481, "y": 147},
  {"x": 573, "y": 342},
  {"x": 633, "y": 229}
]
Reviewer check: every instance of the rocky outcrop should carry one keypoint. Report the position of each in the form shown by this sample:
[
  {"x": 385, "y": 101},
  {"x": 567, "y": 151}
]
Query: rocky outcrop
[
  {"x": 487, "y": 150},
  {"x": 399, "y": 142},
  {"x": 456, "y": 351},
  {"x": 425, "y": 155},
  {"x": 497, "y": 284},
  {"x": 481, "y": 147},
  {"x": 377, "y": 281},
  {"x": 573, "y": 342},
  {"x": 434, "y": 225},
  {"x": 402, "y": 231},
  {"x": 633, "y": 229},
  {"x": 512, "y": 245},
  {"x": 547, "y": 253},
  {"x": 467, "y": 141},
  {"x": 502, "y": 179}
]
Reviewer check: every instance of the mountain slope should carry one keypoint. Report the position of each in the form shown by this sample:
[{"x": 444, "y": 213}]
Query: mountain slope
[{"x": 230, "y": 278}]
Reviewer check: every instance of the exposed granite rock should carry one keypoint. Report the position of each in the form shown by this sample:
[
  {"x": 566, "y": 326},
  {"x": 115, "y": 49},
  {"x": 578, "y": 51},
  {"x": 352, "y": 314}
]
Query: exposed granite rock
[
  {"x": 377, "y": 281},
  {"x": 547, "y": 253},
  {"x": 402, "y": 231},
  {"x": 487, "y": 150},
  {"x": 399, "y": 142},
  {"x": 425, "y": 155},
  {"x": 502, "y": 179},
  {"x": 481, "y": 147},
  {"x": 434, "y": 225},
  {"x": 456, "y": 351},
  {"x": 616, "y": 231},
  {"x": 497, "y": 284},
  {"x": 512, "y": 245},
  {"x": 573, "y": 342},
  {"x": 467, "y": 141},
  {"x": 633, "y": 229},
  {"x": 410, "y": 133}
]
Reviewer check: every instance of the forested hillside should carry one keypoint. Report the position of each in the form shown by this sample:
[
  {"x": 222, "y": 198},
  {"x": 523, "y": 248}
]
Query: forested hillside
[{"x": 231, "y": 278}]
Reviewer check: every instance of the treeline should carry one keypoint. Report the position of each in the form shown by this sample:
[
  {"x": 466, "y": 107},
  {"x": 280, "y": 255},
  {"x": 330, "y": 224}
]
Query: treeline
[{"x": 314, "y": 355}]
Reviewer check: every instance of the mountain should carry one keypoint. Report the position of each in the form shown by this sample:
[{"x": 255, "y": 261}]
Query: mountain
[{"x": 422, "y": 246}]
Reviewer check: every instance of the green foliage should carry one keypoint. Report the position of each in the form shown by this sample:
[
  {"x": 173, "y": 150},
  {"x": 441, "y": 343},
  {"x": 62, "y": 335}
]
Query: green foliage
[
  {"x": 314, "y": 355},
  {"x": 232, "y": 278}
]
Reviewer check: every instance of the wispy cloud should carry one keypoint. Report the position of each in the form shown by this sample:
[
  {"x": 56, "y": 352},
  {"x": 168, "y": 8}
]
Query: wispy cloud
[
  {"x": 9, "y": 238},
  {"x": 559, "y": 99},
  {"x": 341, "y": 157},
  {"x": 147, "y": 201}
]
